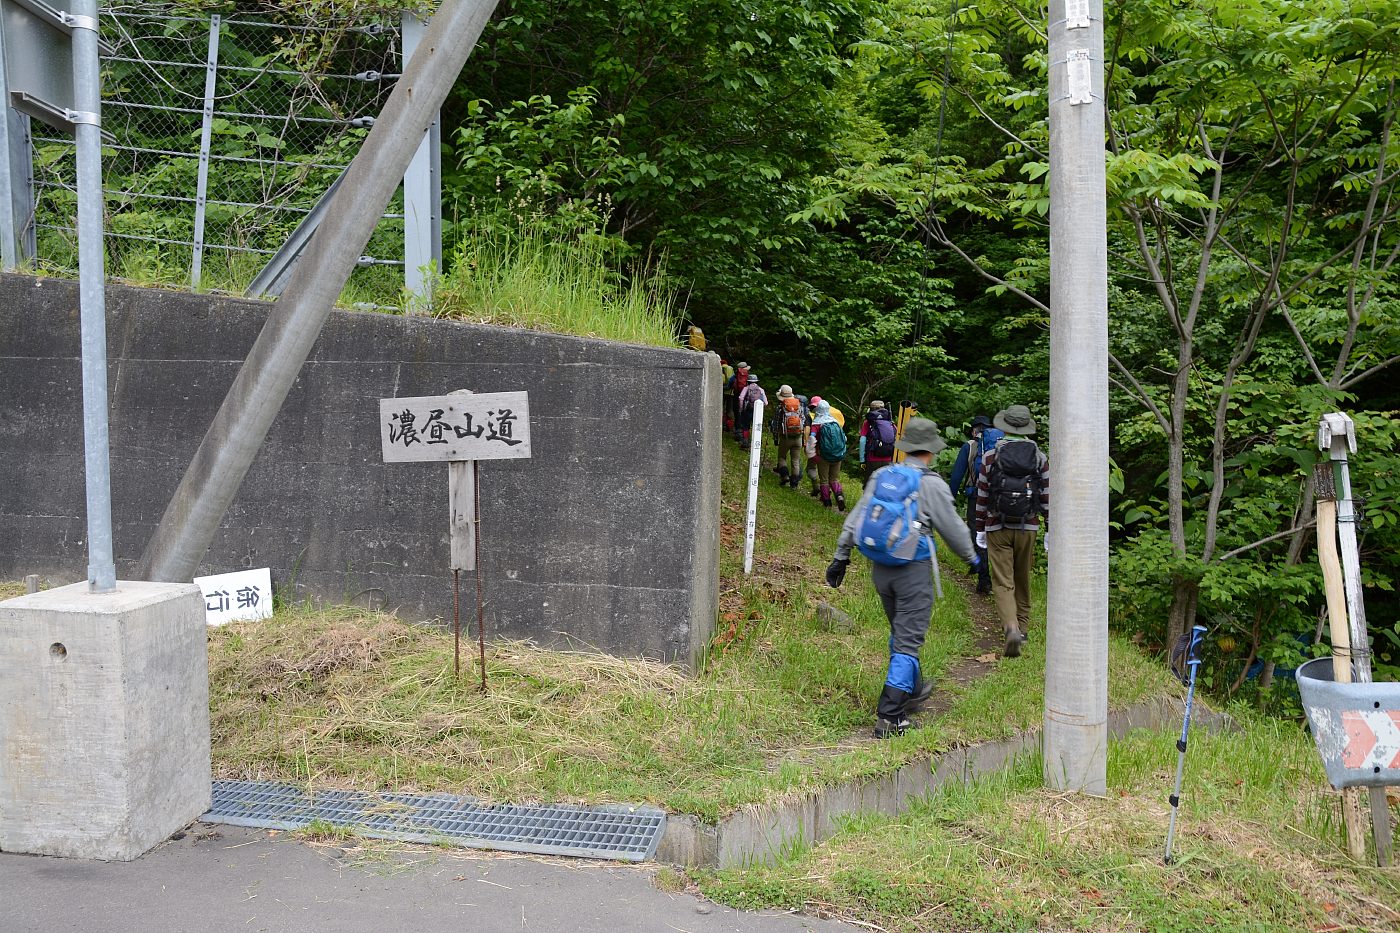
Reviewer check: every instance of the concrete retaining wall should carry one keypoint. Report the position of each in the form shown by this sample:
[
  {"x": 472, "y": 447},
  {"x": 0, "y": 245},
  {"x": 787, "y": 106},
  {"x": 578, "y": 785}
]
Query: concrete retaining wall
[
  {"x": 760, "y": 834},
  {"x": 608, "y": 537}
]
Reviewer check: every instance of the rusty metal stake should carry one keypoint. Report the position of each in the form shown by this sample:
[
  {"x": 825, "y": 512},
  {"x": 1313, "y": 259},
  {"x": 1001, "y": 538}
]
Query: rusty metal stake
[
  {"x": 480, "y": 615},
  {"x": 456, "y": 623}
]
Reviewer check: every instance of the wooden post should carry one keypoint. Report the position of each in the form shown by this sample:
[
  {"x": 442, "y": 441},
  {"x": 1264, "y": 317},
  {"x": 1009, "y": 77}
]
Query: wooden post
[
  {"x": 460, "y": 428},
  {"x": 1326, "y": 495},
  {"x": 1337, "y": 435}
]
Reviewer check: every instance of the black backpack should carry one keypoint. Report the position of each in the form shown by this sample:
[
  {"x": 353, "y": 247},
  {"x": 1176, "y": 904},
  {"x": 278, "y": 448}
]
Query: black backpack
[
  {"x": 1013, "y": 482},
  {"x": 879, "y": 440}
]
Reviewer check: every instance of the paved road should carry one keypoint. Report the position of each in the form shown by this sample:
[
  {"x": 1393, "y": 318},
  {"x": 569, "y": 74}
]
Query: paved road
[{"x": 219, "y": 879}]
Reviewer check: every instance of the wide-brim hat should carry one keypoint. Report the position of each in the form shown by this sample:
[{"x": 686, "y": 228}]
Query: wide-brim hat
[
  {"x": 920, "y": 435},
  {"x": 785, "y": 392},
  {"x": 876, "y": 404},
  {"x": 1015, "y": 420}
]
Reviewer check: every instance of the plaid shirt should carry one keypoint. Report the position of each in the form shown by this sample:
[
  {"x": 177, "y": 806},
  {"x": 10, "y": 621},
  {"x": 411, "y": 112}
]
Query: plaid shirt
[{"x": 987, "y": 520}]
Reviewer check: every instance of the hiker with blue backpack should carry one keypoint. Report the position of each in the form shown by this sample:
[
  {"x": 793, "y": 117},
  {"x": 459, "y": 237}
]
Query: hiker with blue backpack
[
  {"x": 1013, "y": 491},
  {"x": 893, "y": 527},
  {"x": 983, "y": 436},
  {"x": 876, "y": 439},
  {"x": 831, "y": 452}
]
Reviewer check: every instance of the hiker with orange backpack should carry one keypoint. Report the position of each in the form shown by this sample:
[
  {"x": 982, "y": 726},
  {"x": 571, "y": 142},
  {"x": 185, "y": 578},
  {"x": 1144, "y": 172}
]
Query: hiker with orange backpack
[{"x": 790, "y": 427}]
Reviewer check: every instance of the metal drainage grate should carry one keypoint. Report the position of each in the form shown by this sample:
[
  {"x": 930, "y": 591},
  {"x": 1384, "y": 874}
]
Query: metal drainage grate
[{"x": 610, "y": 832}]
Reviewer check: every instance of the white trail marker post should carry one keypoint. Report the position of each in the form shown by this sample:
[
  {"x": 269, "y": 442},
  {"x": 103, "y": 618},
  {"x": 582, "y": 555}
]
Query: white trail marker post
[
  {"x": 460, "y": 428},
  {"x": 755, "y": 458}
]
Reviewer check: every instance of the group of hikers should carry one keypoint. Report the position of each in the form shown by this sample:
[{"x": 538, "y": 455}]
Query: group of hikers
[
  {"x": 809, "y": 432},
  {"x": 1000, "y": 473}
]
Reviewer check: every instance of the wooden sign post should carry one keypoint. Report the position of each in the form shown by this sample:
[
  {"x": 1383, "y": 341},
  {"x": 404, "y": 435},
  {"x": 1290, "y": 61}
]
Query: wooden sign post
[{"x": 460, "y": 428}]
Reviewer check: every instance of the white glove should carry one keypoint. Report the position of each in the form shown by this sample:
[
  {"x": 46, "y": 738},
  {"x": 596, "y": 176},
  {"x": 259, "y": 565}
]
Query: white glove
[
  {"x": 982, "y": 540},
  {"x": 1046, "y": 542}
]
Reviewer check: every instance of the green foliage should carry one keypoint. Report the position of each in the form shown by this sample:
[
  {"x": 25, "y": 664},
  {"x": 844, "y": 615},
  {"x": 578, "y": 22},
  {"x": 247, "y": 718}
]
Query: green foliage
[{"x": 542, "y": 277}]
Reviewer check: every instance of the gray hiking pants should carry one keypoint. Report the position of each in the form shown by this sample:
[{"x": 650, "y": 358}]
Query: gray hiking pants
[{"x": 906, "y": 592}]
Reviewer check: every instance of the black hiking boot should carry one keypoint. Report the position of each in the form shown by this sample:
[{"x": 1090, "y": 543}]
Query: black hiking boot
[
  {"x": 784, "y": 474},
  {"x": 795, "y": 481},
  {"x": 919, "y": 697},
  {"x": 1014, "y": 641},
  {"x": 840, "y": 502},
  {"x": 888, "y": 728}
]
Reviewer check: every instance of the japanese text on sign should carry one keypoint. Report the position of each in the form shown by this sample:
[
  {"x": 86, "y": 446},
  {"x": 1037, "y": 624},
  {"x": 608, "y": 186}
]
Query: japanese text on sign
[
  {"x": 245, "y": 594},
  {"x": 461, "y": 426}
]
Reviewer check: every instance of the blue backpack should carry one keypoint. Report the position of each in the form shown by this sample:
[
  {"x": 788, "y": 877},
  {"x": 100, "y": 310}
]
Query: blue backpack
[{"x": 890, "y": 532}]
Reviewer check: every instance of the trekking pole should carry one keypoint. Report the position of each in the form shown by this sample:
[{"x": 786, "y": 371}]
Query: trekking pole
[
  {"x": 1187, "y": 649},
  {"x": 937, "y": 576}
]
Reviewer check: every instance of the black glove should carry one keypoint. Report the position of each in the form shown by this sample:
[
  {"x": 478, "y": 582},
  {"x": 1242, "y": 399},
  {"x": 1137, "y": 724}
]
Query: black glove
[{"x": 836, "y": 572}]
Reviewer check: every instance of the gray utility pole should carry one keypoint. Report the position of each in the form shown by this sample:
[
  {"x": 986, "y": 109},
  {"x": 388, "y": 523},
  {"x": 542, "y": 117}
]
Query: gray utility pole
[
  {"x": 1076, "y": 643},
  {"x": 86, "y": 117},
  {"x": 295, "y": 321}
]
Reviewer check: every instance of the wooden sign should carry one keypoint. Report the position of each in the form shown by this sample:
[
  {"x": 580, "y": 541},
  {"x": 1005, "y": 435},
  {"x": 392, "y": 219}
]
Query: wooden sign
[{"x": 460, "y": 426}]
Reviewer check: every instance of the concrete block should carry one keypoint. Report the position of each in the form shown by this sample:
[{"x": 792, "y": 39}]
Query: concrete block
[{"x": 104, "y": 719}]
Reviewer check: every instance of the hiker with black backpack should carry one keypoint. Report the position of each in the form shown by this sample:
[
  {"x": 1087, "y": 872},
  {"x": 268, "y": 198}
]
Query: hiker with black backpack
[
  {"x": 982, "y": 437},
  {"x": 892, "y": 525},
  {"x": 789, "y": 428},
  {"x": 831, "y": 452},
  {"x": 876, "y": 439},
  {"x": 752, "y": 393},
  {"x": 1013, "y": 491}
]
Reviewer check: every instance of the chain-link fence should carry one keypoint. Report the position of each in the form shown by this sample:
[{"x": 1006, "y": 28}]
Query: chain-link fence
[{"x": 225, "y": 132}]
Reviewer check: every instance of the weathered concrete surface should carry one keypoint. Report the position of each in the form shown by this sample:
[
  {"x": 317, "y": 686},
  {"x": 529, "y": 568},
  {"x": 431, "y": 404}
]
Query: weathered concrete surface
[
  {"x": 608, "y": 537},
  {"x": 761, "y": 834},
  {"x": 104, "y": 719},
  {"x": 222, "y": 879}
]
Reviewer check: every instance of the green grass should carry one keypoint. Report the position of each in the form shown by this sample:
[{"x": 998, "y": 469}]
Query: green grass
[
  {"x": 571, "y": 285},
  {"x": 347, "y": 697},
  {"x": 1258, "y": 848}
]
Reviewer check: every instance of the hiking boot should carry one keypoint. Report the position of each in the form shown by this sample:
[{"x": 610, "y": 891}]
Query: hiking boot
[
  {"x": 984, "y": 589},
  {"x": 840, "y": 502},
  {"x": 1014, "y": 640},
  {"x": 919, "y": 697},
  {"x": 887, "y": 728}
]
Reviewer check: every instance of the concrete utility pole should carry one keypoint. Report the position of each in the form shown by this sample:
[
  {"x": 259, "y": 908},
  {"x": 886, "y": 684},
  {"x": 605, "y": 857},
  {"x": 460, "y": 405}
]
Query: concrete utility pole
[
  {"x": 238, "y": 430},
  {"x": 1076, "y": 649}
]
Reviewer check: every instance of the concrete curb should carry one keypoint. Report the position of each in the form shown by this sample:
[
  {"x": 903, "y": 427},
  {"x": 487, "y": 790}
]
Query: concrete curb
[{"x": 759, "y": 834}]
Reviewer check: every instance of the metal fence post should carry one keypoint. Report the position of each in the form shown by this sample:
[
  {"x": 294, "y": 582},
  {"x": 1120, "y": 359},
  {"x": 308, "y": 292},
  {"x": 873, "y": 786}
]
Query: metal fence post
[
  {"x": 422, "y": 195},
  {"x": 211, "y": 72},
  {"x": 86, "y": 118},
  {"x": 15, "y": 189}
]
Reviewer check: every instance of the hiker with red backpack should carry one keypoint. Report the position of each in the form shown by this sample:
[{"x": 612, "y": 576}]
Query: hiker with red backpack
[
  {"x": 982, "y": 437},
  {"x": 790, "y": 427},
  {"x": 876, "y": 439},
  {"x": 738, "y": 382},
  {"x": 831, "y": 452},
  {"x": 892, "y": 525},
  {"x": 1013, "y": 491}
]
